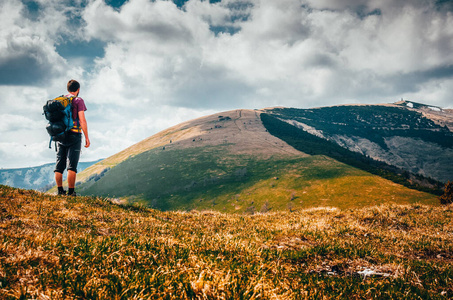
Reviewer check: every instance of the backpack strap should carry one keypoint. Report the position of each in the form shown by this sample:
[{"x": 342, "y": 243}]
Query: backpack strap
[{"x": 50, "y": 144}]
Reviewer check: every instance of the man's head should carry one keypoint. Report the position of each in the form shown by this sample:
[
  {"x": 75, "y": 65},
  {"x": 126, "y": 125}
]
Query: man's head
[{"x": 73, "y": 86}]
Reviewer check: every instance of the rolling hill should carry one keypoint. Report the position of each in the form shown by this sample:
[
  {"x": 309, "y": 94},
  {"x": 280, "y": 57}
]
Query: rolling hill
[{"x": 238, "y": 161}]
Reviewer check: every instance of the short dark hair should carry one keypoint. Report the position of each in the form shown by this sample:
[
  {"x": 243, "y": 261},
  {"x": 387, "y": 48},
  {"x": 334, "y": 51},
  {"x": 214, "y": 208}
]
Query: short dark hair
[{"x": 73, "y": 86}]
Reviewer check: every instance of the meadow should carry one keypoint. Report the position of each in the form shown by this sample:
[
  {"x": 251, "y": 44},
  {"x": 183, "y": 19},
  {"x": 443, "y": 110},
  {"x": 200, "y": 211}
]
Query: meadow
[
  {"x": 55, "y": 247},
  {"x": 213, "y": 179}
]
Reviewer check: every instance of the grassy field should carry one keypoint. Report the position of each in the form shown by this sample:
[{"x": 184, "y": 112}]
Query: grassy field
[
  {"x": 55, "y": 247},
  {"x": 213, "y": 179}
]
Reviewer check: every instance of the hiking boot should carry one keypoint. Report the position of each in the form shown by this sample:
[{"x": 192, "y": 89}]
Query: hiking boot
[
  {"x": 62, "y": 193},
  {"x": 74, "y": 194}
]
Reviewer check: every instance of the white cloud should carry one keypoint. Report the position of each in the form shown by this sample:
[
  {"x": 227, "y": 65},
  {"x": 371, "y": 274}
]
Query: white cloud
[
  {"x": 159, "y": 21},
  {"x": 25, "y": 55},
  {"x": 284, "y": 51},
  {"x": 158, "y": 56},
  {"x": 436, "y": 92},
  {"x": 10, "y": 122}
]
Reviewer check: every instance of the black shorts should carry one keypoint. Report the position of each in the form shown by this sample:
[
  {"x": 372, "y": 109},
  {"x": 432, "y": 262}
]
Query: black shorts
[{"x": 68, "y": 152}]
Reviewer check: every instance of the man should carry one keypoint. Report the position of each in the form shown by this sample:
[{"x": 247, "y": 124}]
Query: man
[{"x": 68, "y": 150}]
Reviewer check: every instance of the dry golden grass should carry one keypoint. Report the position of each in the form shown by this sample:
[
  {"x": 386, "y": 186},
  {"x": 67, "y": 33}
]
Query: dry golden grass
[{"x": 89, "y": 248}]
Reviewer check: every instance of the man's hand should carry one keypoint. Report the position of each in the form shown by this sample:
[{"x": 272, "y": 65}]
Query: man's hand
[{"x": 87, "y": 142}]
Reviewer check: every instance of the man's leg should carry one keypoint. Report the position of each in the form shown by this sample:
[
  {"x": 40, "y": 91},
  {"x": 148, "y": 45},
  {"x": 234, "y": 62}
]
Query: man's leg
[
  {"x": 71, "y": 179},
  {"x": 59, "y": 179},
  {"x": 60, "y": 167},
  {"x": 73, "y": 157}
]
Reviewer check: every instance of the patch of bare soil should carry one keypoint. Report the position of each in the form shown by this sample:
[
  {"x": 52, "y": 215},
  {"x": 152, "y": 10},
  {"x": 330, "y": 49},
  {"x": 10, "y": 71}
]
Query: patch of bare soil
[
  {"x": 442, "y": 118},
  {"x": 241, "y": 131}
]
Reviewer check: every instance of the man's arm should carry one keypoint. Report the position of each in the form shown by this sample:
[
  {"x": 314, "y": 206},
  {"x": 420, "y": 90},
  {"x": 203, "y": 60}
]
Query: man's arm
[{"x": 83, "y": 124}]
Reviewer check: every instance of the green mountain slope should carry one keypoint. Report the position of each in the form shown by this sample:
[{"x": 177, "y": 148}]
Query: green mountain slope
[
  {"x": 189, "y": 179},
  {"x": 230, "y": 162}
]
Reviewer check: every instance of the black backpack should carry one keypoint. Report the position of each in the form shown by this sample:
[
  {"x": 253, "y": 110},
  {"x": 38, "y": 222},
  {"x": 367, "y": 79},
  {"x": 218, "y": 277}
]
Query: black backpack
[{"x": 58, "y": 112}]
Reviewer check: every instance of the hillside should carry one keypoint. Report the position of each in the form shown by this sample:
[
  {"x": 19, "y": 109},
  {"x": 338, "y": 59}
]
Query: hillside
[
  {"x": 55, "y": 247},
  {"x": 229, "y": 162},
  {"x": 237, "y": 131},
  {"x": 411, "y": 136}
]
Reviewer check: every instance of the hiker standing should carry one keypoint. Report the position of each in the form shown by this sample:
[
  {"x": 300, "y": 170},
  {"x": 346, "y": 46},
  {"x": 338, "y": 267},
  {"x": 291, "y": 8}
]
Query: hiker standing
[{"x": 68, "y": 150}]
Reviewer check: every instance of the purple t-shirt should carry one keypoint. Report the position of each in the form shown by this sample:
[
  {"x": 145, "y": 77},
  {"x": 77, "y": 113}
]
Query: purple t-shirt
[{"x": 77, "y": 105}]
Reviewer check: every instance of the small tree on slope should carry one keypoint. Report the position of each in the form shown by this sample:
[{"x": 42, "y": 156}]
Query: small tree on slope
[{"x": 447, "y": 197}]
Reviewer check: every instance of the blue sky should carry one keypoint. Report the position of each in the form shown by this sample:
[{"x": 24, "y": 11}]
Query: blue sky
[{"x": 146, "y": 65}]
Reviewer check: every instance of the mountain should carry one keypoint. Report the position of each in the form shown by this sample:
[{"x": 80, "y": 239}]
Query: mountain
[
  {"x": 39, "y": 178},
  {"x": 238, "y": 161}
]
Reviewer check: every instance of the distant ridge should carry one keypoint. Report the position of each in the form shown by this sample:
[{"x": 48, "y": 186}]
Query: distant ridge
[
  {"x": 441, "y": 116},
  {"x": 40, "y": 178},
  {"x": 417, "y": 105}
]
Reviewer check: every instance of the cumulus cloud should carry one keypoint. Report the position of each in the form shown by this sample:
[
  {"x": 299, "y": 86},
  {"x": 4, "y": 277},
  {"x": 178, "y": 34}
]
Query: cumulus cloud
[
  {"x": 287, "y": 52},
  {"x": 159, "y": 21},
  {"x": 27, "y": 47},
  {"x": 25, "y": 57},
  {"x": 148, "y": 65},
  {"x": 159, "y": 56}
]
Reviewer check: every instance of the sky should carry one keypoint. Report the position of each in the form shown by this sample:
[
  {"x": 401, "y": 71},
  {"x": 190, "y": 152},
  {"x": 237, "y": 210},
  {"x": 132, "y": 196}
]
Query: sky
[{"x": 147, "y": 65}]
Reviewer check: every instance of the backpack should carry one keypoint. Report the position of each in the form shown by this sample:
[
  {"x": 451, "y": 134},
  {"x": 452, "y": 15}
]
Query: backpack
[{"x": 58, "y": 112}]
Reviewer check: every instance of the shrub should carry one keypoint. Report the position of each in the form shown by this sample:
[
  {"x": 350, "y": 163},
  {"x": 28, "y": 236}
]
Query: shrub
[{"x": 447, "y": 197}]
